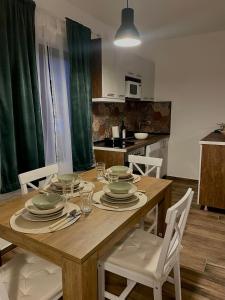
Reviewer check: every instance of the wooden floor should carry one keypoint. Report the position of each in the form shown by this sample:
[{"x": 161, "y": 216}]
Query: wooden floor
[{"x": 202, "y": 257}]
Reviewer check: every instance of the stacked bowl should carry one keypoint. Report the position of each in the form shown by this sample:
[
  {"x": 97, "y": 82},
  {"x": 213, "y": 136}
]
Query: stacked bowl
[{"x": 119, "y": 194}]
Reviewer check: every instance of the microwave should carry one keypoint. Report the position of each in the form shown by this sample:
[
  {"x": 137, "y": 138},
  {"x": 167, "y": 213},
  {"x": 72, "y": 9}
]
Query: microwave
[{"x": 133, "y": 89}]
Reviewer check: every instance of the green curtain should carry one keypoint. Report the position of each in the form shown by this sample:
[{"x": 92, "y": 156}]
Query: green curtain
[
  {"x": 21, "y": 140},
  {"x": 79, "y": 45}
]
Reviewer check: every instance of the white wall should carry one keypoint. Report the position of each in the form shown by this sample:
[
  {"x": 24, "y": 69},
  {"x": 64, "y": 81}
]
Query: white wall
[
  {"x": 63, "y": 8},
  {"x": 190, "y": 71}
]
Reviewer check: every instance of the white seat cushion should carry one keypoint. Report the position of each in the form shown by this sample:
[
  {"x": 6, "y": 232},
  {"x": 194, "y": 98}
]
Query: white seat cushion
[
  {"x": 139, "y": 254},
  {"x": 28, "y": 277},
  {"x": 4, "y": 244}
]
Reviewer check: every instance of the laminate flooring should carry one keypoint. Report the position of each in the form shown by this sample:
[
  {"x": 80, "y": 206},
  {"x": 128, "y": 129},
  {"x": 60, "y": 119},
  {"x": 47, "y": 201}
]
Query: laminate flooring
[{"x": 202, "y": 256}]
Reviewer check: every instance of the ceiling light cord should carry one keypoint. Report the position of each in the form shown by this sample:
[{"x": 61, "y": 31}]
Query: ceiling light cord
[{"x": 127, "y": 3}]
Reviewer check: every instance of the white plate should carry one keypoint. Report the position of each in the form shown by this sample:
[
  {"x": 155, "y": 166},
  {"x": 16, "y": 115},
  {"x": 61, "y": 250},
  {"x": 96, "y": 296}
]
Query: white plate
[
  {"x": 34, "y": 218},
  {"x": 133, "y": 199},
  {"x": 76, "y": 191},
  {"x": 47, "y": 215},
  {"x": 59, "y": 189},
  {"x": 96, "y": 202},
  {"x": 130, "y": 179},
  {"x": 118, "y": 199},
  {"x": 34, "y": 210},
  {"x": 119, "y": 196}
]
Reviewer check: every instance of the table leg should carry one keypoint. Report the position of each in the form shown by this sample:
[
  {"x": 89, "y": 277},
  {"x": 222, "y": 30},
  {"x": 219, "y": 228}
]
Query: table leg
[
  {"x": 80, "y": 279},
  {"x": 163, "y": 206}
]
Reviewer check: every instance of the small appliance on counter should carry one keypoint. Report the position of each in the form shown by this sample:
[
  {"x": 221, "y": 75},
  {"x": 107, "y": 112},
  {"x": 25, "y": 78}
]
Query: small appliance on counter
[
  {"x": 115, "y": 132},
  {"x": 114, "y": 143}
]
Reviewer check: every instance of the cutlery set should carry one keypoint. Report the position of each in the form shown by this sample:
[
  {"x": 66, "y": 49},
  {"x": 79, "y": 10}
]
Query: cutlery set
[{"x": 69, "y": 217}]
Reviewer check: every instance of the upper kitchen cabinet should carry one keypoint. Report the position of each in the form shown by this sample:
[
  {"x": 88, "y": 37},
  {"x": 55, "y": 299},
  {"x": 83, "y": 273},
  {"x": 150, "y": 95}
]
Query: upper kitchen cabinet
[
  {"x": 108, "y": 81},
  {"x": 140, "y": 68},
  {"x": 148, "y": 79},
  {"x": 110, "y": 65}
]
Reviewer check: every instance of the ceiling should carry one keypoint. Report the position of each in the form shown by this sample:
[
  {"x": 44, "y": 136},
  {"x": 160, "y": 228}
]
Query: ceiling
[{"x": 160, "y": 19}]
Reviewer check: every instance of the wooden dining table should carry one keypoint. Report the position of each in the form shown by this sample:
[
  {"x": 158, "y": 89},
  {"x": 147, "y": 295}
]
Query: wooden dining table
[{"x": 78, "y": 248}]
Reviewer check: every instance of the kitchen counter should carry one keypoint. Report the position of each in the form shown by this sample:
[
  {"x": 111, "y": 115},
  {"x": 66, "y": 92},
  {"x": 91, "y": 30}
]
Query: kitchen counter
[
  {"x": 212, "y": 171},
  {"x": 151, "y": 139},
  {"x": 213, "y": 139}
]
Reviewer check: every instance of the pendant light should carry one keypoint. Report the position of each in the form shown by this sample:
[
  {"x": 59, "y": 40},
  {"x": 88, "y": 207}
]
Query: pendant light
[{"x": 127, "y": 35}]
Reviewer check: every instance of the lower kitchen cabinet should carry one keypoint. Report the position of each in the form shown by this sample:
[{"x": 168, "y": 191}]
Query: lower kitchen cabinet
[
  {"x": 110, "y": 158},
  {"x": 154, "y": 146},
  {"x": 212, "y": 172}
]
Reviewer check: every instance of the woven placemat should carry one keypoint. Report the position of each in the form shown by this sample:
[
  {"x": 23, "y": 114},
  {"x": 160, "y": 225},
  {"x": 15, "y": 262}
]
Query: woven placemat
[
  {"x": 18, "y": 223},
  {"x": 142, "y": 201}
]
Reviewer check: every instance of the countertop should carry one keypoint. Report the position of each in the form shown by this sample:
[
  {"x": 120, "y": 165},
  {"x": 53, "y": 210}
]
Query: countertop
[
  {"x": 151, "y": 139},
  {"x": 214, "y": 139}
]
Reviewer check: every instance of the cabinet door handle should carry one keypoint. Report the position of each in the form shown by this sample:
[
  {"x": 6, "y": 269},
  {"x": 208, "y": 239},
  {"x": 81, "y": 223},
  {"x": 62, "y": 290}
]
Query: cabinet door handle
[
  {"x": 121, "y": 96},
  {"x": 111, "y": 95}
]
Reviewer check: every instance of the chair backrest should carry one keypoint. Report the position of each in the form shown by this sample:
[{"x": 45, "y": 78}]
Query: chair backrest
[
  {"x": 25, "y": 179},
  {"x": 153, "y": 162},
  {"x": 176, "y": 219},
  {"x": 3, "y": 292}
]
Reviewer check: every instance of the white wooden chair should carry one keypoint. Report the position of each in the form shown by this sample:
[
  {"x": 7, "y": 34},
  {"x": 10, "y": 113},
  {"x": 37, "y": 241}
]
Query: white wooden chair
[
  {"x": 148, "y": 259},
  {"x": 5, "y": 247},
  {"x": 28, "y": 277},
  {"x": 151, "y": 164},
  {"x": 26, "y": 178}
]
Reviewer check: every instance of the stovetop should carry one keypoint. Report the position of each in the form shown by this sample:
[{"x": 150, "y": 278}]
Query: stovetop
[{"x": 114, "y": 143}]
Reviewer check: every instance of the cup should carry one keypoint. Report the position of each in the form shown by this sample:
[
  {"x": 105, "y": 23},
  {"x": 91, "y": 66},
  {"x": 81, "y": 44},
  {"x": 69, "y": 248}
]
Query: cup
[
  {"x": 113, "y": 177},
  {"x": 100, "y": 168},
  {"x": 77, "y": 179},
  {"x": 86, "y": 200}
]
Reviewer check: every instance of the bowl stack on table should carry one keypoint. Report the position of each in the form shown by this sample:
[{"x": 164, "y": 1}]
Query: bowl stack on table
[
  {"x": 44, "y": 207},
  {"x": 67, "y": 182},
  {"x": 119, "y": 194},
  {"x": 123, "y": 173}
]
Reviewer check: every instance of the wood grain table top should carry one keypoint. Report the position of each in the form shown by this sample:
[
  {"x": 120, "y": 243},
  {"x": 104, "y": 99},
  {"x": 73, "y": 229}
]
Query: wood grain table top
[{"x": 83, "y": 238}]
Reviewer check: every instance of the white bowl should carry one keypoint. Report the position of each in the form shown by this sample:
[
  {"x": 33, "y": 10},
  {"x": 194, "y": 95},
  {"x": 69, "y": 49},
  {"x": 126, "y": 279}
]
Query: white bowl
[{"x": 140, "y": 135}]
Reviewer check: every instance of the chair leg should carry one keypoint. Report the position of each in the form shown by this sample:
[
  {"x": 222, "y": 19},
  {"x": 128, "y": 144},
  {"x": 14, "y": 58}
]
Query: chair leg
[
  {"x": 156, "y": 220},
  {"x": 157, "y": 291},
  {"x": 177, "y": 282},
  {"x": 142, "y": 224},
  {"x": 101, "y": 282}
]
